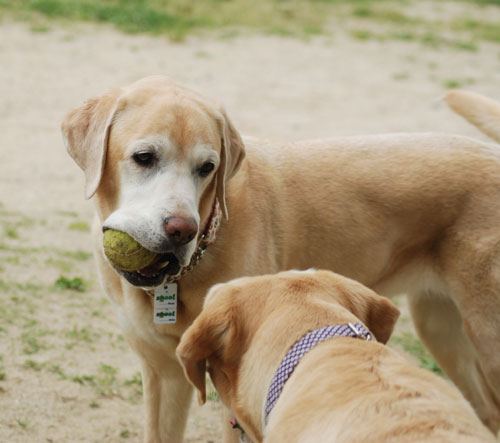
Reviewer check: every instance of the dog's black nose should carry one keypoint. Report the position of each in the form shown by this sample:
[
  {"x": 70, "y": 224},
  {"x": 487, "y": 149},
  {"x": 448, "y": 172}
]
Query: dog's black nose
[{"x": 180, "y": 230}]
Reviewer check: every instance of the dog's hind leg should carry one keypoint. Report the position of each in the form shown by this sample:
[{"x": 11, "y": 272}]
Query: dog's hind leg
[{"x": 441, "y": 328}]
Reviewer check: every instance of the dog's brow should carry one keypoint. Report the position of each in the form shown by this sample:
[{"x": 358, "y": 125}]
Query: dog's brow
[
  {"x": 156, "y": 142},
  {"x": 203, "y": 152}
]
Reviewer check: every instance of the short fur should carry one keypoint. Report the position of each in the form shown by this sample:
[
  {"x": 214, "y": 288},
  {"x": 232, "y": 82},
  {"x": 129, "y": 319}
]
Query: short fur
[
  {"x": 342, "y": 390},
  {"x": 481, "y": 111},
  {"x": 402, "y": 213}
]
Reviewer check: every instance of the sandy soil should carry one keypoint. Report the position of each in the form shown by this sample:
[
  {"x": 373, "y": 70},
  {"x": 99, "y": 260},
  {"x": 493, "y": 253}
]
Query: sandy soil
[{"x": 56, "y": 346}]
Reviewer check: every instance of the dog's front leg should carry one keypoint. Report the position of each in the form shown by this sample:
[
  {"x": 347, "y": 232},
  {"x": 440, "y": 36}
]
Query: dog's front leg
[{"x": 167, "y": 396}]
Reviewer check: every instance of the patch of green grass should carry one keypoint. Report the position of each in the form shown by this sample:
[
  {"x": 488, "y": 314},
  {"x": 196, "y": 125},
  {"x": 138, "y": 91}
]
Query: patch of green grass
[
  {"x": 4, "y": 286},
  {"x": 399, "y": 76},
  {"x": 23, "y": 423},
  {"x": 20, "y": 250},
  {"x": 107, "y": 369},
  {"x": 71, "y": 284},
  {"x": 431, "y": 39},
  {"x": 81, "y": 334},
  {"x": 3, "y": 375},
  {"x": 363, "y": 11},
  {"x": 136, "y": 379},
  {"x": 452, "y": 84},
  {"x": 79, "y": 226},
  {"x": 125, "y": 433},
  {"x": 32, "y": 364},
  {"x": 135, "y": 382},
  {"x": 131, "y": 16},
  {"x": 362, "y": 34},
  {"x": 28, "y": 287},
  {"x": 82, "y": 379},
  {"x": 32, "y": 342},
  {"x": 466, "y": 46},
  {"x": 456, "y": 83},
  {"x": 13, "y": 260},
  {"x": 298, "y": 18},
  {"x": 68, "y": 213},
  {"x": 212, "y": 394},
  {"x": 414, "y": 347},
  {"x": 11, "y": 231},
  {"x": 30, "y": 323},
  {"x": 484, "y": 2},
  {"x": 178, "y": 18},
  {"x": 480, "y": 29},
  {"x": 403, "y": 35},
  {"x": 384, "y": 15},
  {"x": 56, "y": 369},
  {"x": 62, "y": 265},
  {"x": 106, "y": 382},
  {"x": 76, "y": 255},
  {"x": 10, "y": 286},
  {"x": 39, "y": 28}
]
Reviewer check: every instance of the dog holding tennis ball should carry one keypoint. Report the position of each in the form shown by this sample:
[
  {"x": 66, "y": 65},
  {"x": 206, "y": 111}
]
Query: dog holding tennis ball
[
  {"x": 400, "y": 213},
  {"x": 125, "y": 253}
]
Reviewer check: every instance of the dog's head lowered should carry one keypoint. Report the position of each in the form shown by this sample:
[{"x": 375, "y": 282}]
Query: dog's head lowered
[
  {"x": 151, "y": 152},
  {"x": 248, "y": 324}
]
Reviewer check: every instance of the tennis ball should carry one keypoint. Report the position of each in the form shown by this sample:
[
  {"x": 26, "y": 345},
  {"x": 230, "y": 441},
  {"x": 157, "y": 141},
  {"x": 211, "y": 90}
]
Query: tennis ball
[{"x": 124, "y": 252}]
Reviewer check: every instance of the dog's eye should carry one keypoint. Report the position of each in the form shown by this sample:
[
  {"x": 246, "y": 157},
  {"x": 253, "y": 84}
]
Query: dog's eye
[
  {"x": 144, "y": 158},
  {"x": 206, "y": 169}
]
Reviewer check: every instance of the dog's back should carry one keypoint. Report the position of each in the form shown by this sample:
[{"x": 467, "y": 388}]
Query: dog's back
[{"x": 349, "y": 391}]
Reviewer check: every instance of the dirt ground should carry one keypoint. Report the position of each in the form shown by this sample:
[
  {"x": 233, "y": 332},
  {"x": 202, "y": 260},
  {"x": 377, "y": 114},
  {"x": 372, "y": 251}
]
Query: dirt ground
[{"x": 66, "y": 374}]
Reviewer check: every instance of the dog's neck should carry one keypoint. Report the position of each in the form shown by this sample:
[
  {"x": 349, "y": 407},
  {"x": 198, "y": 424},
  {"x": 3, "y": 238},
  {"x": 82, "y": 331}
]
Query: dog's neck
[
  {"x": 301, "y": 348},
  {"x": 253, "y": 416}
]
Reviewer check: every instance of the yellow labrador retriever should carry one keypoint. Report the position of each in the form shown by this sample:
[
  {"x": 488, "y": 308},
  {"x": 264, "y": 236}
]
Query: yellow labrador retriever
[
  {"x": 401, "y": 213},
  {"x": 290, "y": 355}
]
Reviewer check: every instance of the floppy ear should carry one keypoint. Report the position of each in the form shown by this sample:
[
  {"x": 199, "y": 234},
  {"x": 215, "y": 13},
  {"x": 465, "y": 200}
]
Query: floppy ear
[
  {"x": 381, "y": 318},
  {"x": 201, "y": 340},
  {"x": 232, "y": 154},
  {"x": 86, "y": 132},
  {"x": 376, "y": 312}
]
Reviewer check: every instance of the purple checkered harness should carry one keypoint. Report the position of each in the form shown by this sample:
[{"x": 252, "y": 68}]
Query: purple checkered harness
[{"x": 302, "y": 347}]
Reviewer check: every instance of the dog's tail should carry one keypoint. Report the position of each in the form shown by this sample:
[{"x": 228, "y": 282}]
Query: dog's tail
[{"x": 482, "y": 112}]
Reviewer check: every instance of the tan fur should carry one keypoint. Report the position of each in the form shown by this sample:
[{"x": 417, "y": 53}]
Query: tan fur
[
  {"x": 416, "y": 214},
  {"x": 481, "y": 111},
  {"x": 343, "y": 390}
]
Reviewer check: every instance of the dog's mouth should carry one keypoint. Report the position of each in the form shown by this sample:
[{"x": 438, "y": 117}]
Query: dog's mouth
[{"x": 154, "y": 274}]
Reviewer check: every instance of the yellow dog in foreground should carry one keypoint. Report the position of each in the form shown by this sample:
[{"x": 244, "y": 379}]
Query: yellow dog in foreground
[
  {"x": 343, "y": 389},
  {"x": 401, "y": 213}
]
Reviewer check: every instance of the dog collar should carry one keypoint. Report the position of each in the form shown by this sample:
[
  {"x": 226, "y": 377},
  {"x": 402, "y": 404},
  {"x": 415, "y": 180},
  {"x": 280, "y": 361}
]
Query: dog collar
[
  {"x": 299, "y": 349},
  {"x": 206, "y": 239}
]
